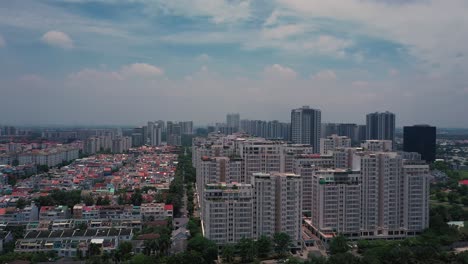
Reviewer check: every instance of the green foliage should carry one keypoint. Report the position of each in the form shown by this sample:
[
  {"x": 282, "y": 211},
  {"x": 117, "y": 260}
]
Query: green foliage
[
  {"x": 339, "y": 245},
  {"x": 59, "y": 197},
  {"x": 263, "y": 245},
  {"x": 15, "y": 163},
  {"x": 228, "y": 254},
  {"x": 246, "y": 249},
  {"x": 207, "y": 248},
  {"x": 105, "y": 201},
  {"x": 137, "y": 197},
  {"x": 21, "y": 203},
  {"x": 281, "y": 243},
  {"x": 88, "y": 200}
]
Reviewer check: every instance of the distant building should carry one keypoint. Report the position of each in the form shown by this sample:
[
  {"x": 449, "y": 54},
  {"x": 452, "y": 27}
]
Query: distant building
[
  {"x": 377, "y": 145},
  {"x": 420, "y": 139},
  {"x": 381, "y": 126},
  {"x": 306, "y": 127},
  {"x": 331, "y": 143},
  {"x": 233, "y": 121}
]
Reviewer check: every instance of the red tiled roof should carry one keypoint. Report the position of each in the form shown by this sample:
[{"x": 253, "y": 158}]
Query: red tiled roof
[{"x": 463, "y": 182}]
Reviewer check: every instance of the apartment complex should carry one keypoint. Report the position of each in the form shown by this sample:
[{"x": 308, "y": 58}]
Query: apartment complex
[{"x": 384, "y": 196}]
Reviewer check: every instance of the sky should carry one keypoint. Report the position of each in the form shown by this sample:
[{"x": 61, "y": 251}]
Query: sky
[{"x": 123, "y": 62}]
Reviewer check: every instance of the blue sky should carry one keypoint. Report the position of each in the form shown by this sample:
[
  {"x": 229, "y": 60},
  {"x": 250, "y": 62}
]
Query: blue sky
[{"x": 128, "y": 61}]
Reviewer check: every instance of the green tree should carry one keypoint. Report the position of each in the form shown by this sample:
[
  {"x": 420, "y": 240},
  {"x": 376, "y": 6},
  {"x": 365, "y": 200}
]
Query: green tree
[
  {"x": 207, "y": 248},
  {"x": 227, "y": 254},
  {"x": 263, "y": 245},
  {"x": 281, "y": 243},
  {"x": 21, "y": 203},
  {"x": 88, "y": 200},
  {"x": 246, "y": 249},
  {"x": 453, "y": 197},
  {"x": 339, "y": 245},
  {"x": 136, "y": 198},
  {"x": 15, "y": 163}
]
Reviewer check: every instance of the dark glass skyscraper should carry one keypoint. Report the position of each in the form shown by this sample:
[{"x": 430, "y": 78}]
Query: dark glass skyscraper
[{"x": 420, "y": 139}]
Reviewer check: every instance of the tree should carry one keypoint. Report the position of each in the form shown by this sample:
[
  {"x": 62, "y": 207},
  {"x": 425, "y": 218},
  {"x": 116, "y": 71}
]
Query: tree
[
  {"x": 21, "y": 203},
  {"x": 94, "y": 249},
  {"x": 207, "y": 248},
  {"x": 136, "y": 198},
  {"x": 125, "y": 247},
  {"x": 15, "y": 163},
  {"x": 88, "y": 200},
  {"x": 228, "y": 254},
  {"x": 263, "y": 246},
  {"x": 453, "y": 197},
  {"x": 339, "y": 245},
  {"x": 281, "y": 243},
  {"x": 246, "y": 248}
]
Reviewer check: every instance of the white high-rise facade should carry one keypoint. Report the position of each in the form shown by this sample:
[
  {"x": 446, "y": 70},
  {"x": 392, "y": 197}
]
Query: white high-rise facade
[
  {"x": 387, "y": 195},
  {"x": 306, "y": 127},
  {"x": 155, "y": 136},
  {"x": 277, "y": 205},
  {"x": 227, "y": 212},
  {"x": 331, "y": 143},
  {"x": 233, "y": 121}
]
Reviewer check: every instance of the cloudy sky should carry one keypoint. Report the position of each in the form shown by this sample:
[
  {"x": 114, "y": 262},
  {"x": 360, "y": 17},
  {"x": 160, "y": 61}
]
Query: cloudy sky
[{"x": 128, "y": 61}]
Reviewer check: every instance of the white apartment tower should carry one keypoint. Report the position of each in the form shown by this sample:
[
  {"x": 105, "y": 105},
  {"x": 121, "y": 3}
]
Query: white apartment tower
[
  {"x": 227, "y": 212},
  {"x": 331, "y": 143},
  {"x": 233, "y": 121},
  {"x": 277, "y": 205},
  {"x": 306, "y": 127},
  {"x": 155, "y": 136},
  {"x": 377, "y": 145}
]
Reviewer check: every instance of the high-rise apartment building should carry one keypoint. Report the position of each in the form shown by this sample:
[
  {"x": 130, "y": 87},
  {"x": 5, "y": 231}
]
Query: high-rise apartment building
[
  {"x": 420, "y": 139},
  {"x": 377, "y": 145},
  {"x": 186, "y": 127},
  {"x": 233, "y": 121},
  {"x": 227, "y": 212},
  {"x": 306, "y": 127},
  {"x": 174, "y": 134},
  {"x": 155, "y": 137},
  {"x": 277, "y": 206},
  {"x": 331, "y": 143},
  {"x": 336, "y": 201},
  {"x": 381, "y": 126},
  {"x": 383, "y": 197}
]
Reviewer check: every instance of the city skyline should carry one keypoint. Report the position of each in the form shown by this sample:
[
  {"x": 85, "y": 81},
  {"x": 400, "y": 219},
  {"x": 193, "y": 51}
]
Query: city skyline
[{"x": 105, "y": 61}]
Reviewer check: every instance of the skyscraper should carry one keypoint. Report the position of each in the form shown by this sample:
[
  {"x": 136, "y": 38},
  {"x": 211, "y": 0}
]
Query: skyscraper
[
  {"x": 306, "y": 127},
  {"x": 380, "y": 126},
  {"x": 420, "y": 139},
  {"x": 233, "y": 121}
]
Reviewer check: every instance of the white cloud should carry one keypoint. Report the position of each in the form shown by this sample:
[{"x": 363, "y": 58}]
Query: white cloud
[
  {"x": 431, "y": 30},
  {"x": 58, "y": 39},
  {"x": 2, "y": 42},
  {"x": 135, "y": 70},
  {"x": 278, "y": 71},
  {"x": 325, "y": 75},
  {"x": 284, "y": 31},
  {"x": 203, "y": 57},
  {"x": 142, "y": 70}
]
